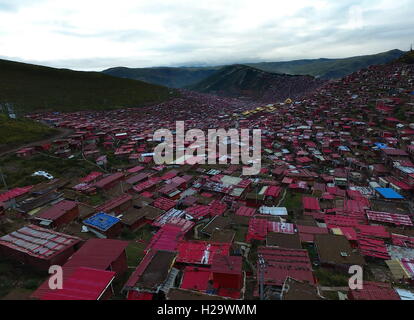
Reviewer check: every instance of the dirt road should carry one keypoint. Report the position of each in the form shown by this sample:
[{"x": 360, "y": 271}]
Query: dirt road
[{"x": 62, "y": 134}]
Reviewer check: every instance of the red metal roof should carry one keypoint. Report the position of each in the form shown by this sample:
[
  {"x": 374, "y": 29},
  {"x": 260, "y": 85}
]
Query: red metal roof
[
  {"x": 393, "y": 218},
  {"x": 164, "y": 203},
  {"x": 374, "y": 291},
  {"x": 196, "y": 278},
  {"x": 200, "y": 252},
  {"x": 14, "y": 193},
  {"x": 198, "y": 211},
  {"x": 279, "y": 227},
  {"x": 373, "y": 247},
  {"x": 114, "y": 203},
  {"x": 341, "y": 221},
  {"x": 227, "y": 264},
  {"x": 246, "y": 211},
  {"x": 58, "y": 210},
  {"x": 402, "y": 241},
  {"x": 82, "y": 284},
  {"x": 136, "y": 169},
  {"x": 91, "y": 177},
  {"x": 310, "y": 204},
  {"x": 273, "y": 191},
  {"x": 373, "y": 231},
  {"x": 282, "y": 263},
  {"x": 217, "y": 208},
  {"x": 166, "y": 238},
  {"x": 95, "y": 253},
  {"x": 110, "y": 179},
  {"x": 307, "y": 233},
  {"x": 147, "y": 184},
  {"x": 184, "y": 224},
  {"x": 257, "y": 229}
]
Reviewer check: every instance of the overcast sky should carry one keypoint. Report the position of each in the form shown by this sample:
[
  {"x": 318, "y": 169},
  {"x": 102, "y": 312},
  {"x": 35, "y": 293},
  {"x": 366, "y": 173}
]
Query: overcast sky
[{"x": 98, "y": 34}]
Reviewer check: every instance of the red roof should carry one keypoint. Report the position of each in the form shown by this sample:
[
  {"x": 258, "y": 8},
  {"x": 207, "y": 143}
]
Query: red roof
[
  {"x": 200, "y": 252},
  {"x": 114, "y": 203},
  {"x": 91, "y": 177},
  {"x": 217, "y": 208},
  {"x": 273, "y": 191},
  {"x": 166, "y": 238},
  {"x": 147, "y": 184},
  {"x": 282, "y": 263},
  {"x": 373, "y": 247},
  {"x": 227, "y": 264},
  {"x": 136, "y": 169},
  {"x": 310, "y": 204},
  {"x": 14, "y": 193},
  {"x": 95, "y": 253},
  {"x": 82, "y": 284},
  {"x": 402, "y": 241},
  {"x": 393, "y": 218},
  {"x": 198, "y": 211},
  {"x": 307, "y": 233},
  {"x": 279, "y": 227},
  {"x": 184, "y": 224},
  {"x": 195, "y": 278},
  {"x": 108, "y": 180},
  {"x": 246, "y": 211},
  {"x": 257, "y": 229},
  {"x": 58, "y": 210},
  {"x": 341, "y": 221},
  {"x": 374, "y": 291},
  {"x": 164, "y": 203},
  {"x": 373, "y": 231}
]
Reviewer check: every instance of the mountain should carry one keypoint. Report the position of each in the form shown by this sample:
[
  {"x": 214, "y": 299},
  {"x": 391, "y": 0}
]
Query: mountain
[
  {"x": 165, "y": 76},
  {"x": 31, "y": 88},
  {"x": 252, "y": 83},
  {"x": 328, "y": 68},
  {"x": 407, "y": 58}
]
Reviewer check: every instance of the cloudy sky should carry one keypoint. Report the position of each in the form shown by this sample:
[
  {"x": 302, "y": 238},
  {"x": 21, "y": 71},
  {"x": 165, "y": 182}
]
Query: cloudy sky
[{"x": 98, "y": 34}]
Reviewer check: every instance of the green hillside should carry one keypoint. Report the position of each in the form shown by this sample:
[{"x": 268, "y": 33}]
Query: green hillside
[
  {"x": 245, "y": 81},
  {"x": 21, "y": 131},
  {"x": 32, "y": 88},
  {"x": 328, "y": 68},
  {"x": 165, "y": 76},
  {"x": 407, "y": 58}
]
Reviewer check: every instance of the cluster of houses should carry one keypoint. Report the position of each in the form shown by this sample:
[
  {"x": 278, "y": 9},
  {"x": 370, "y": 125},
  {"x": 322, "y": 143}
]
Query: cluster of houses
[{"x": 335, "y": 190}]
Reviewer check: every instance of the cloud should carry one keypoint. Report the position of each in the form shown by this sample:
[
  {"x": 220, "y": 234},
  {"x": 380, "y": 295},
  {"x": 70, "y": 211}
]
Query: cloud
[{"x": 98, "y": 34}]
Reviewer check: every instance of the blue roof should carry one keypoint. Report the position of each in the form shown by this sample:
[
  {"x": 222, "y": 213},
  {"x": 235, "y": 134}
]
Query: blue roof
[
  {"x": 389, "y": 193},
  {"x": 101, "y": 221},
  {"x": 380, "y": 145}
]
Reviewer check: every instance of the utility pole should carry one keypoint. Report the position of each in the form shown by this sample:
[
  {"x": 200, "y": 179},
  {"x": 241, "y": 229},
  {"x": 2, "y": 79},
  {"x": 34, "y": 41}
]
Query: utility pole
[
  {"x": 262, "y": 267},
  {"x": 3, "y": 180}
]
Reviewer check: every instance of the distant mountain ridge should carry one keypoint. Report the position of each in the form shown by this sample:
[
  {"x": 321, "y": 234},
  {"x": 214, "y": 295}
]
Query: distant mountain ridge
[
  {"x": 31, "y": 88},
  {"x": 182, "y": 77},
  {"x": 179, "y": 77},
  {"x": 328, "y": 68},
  {"x": 248, "y": 82}
]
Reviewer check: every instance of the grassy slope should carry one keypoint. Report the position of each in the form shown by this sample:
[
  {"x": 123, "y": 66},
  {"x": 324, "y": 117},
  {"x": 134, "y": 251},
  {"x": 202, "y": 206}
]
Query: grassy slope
[
  {"x": 407, "y": 58},
  {"x": 169, "y": 77},
  {"x": 33, "y": 88},
  {"x": 328, "y": 68},
  {"x": 21, "y": 131}
]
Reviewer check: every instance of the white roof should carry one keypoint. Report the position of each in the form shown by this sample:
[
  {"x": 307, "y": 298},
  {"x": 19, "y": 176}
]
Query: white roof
[{"x": 274, "y": 211}]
